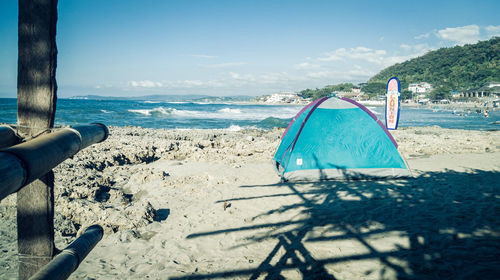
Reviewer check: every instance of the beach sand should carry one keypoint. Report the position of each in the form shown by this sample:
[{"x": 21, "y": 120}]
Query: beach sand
[{"x": 207, "y": 204}]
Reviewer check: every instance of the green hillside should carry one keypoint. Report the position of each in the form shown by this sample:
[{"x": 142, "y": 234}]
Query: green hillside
[
  {"x": 447, "y": 69},
  {"x": 457, "y": 68}
]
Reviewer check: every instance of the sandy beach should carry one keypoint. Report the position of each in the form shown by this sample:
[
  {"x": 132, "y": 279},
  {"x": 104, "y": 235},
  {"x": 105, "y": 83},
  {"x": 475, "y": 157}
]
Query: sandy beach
[{"x": 207, "y": 204}]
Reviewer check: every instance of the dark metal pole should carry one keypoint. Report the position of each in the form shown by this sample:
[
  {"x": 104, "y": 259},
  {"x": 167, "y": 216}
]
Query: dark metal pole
[
  {"x": 8, "y": 136},
  {"x": 70, "y": 258},
  {"x": 28, "y": 161}
]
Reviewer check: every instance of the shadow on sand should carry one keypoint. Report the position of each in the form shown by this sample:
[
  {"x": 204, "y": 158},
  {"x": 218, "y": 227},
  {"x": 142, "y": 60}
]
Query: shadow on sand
[{"x": 449, "y": 221}]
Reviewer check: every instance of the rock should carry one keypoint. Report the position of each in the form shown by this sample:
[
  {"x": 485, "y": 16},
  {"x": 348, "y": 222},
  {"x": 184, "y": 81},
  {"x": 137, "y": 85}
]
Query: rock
[{"x": 127, "y": 236}]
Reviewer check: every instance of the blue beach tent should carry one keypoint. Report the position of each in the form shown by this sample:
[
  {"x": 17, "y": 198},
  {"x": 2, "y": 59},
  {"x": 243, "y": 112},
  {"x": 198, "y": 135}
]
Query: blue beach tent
[{"x": 338, "y": 138}]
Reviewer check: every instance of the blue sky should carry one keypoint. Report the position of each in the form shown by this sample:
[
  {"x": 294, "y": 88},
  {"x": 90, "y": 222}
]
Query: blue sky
[{"x": 133, "y": 48}]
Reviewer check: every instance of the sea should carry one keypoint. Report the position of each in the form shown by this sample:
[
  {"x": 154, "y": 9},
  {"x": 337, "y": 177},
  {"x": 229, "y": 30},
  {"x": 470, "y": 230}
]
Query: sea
[{"x": 198, "y": 115}]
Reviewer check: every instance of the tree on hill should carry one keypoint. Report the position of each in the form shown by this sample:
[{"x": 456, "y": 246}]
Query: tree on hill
[
  {"x": 406, "y": 94},
  {"x": 321, "y": 92},
  {"x": 375, "y": 89},
  {"x": 441, "y": 92},
  {"x": 461, "y": 67}
]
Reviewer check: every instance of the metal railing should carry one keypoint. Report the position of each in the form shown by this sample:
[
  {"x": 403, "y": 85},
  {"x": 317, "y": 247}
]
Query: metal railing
[
  {"x": 22, "y": 163},
  {"x": 68, "y": 260}
]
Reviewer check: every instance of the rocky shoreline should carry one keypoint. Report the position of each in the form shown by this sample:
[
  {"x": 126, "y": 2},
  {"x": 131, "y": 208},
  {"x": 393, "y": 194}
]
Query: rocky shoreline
[{"x": 138, "y": 178}]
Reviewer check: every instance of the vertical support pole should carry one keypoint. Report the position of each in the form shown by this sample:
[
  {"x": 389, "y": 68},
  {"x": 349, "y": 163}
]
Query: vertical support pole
[{"x": 36, "y": 105}]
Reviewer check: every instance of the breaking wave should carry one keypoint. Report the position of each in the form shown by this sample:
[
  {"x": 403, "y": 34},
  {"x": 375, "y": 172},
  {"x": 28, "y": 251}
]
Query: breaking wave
[{"x": 224, "y": 113}]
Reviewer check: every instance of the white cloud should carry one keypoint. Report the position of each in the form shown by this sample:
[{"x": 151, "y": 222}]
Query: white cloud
[
  {"x": 492, "y": 30},
  {"x": 390, "y": 60},
  {"x": 242, "y": 78},
  {"x": 144, "y": 84},
  {"x": 359, "y": 53},
  {"x": 189, "y": 84},
  {"x": 462, "y": 35},
  {"x": 271, "y": 79},
  {"x": 355, "y": 73},
  {"x": 104, "y": 86},
  {"x": 422, "y": 36},
  {"x": 178, "y": 84},
  {"x": 276, "y": 78},
  {"x": 332, "y": 56},
  {"x": 319, "y": 75},
  {"x": 360, "y": 72},
  {"x": 223, "y": 65},
  {"x": 306, "y": 65},
  {"x": 234, "y": 75},
  {"x": 418, "y": 48},
  {"x": 405, "y": 47},
  {"x": 203, "y": 56}
]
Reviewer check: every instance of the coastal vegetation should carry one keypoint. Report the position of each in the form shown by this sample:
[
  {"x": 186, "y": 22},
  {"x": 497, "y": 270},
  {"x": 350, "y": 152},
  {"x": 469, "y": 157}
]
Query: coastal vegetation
[
  {"x": 320, "y": 92},
  {"x": 458, "y": 68}
]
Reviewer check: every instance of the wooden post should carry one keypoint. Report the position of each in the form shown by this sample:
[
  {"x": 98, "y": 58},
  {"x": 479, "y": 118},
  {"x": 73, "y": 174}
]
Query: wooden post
[{"x": 36, "y": 101}]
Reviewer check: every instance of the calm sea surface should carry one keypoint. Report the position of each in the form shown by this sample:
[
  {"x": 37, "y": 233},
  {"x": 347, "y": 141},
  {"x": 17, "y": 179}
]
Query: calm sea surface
[{"x": 185, "y": 115}]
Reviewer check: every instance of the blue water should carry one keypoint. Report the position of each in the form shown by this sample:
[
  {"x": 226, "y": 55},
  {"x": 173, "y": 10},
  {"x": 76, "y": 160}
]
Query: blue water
[{"x": 224, "y": 116}]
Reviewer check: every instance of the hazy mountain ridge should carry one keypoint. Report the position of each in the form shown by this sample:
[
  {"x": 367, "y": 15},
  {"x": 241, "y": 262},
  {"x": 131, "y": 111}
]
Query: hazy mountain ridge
[{"x": 170, "y": 98}]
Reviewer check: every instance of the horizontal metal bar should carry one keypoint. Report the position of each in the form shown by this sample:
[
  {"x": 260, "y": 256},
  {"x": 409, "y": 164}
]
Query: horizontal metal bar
[
  {"x": 68, "y": 260},
  {"x": 8, "y": 136},
  {"x": 23, "y": 163}
]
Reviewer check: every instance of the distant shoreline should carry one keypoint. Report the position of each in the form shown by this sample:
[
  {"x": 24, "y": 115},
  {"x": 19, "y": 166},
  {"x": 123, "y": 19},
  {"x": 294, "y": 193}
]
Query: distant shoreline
[{"x": 377, "y": 103}]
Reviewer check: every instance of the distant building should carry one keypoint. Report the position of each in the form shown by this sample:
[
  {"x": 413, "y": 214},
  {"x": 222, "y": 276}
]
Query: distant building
[
  {"x": 456, "y": 94},
  {"x": 475, "y": 94},
  {"x": 493, "y": 84},
  {"x": 284, "y": 97},
  {"x": 355, "y": 93},
  {"x": 421, "y": 87},
  {"x": 490, "y": 90}
]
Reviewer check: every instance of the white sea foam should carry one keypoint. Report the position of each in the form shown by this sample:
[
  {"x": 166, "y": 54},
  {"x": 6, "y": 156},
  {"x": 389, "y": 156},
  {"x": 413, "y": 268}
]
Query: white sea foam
[
  {"x": 234, "y": 128},
  {"x": 106, "y": 111},
  {"x": 372, "y": 109},
  {"x": 229, "y": 110},
  {"x": 188, "y": 114},
  {"x": 224, "y": 113},
  {"x": 251, "y": 113},
  {"x": 143, "y": 112},
  {"x": 239, "y": 128},
  {"x": 151, "y": 102},
  {"x": 149, "y": 112},
  {"x": 372, "y": 102}
]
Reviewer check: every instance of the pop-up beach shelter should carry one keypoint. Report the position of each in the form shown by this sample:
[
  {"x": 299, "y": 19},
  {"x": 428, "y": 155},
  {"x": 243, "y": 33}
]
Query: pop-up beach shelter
[{"x": 338, "y": 138}]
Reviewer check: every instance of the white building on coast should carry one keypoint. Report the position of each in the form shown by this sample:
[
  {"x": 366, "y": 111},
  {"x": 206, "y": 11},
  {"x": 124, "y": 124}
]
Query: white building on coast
[
  {"x": 282, "y": 97},
  {"x": 421, "y": 87},
  {"x": 355, "y": 94},
  {"x": 493, "y": 84}
]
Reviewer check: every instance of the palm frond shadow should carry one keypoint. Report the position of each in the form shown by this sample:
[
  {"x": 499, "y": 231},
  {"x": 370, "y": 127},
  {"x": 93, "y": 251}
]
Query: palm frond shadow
[{"x": 449, "y": 219}]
